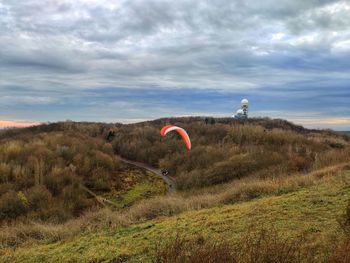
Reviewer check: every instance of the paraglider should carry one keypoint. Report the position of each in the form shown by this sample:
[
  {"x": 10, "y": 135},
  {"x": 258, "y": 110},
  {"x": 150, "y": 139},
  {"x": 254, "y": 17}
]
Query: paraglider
[
  {"x": 168, "y": 128},
  {"x": 165, "y": 172}
]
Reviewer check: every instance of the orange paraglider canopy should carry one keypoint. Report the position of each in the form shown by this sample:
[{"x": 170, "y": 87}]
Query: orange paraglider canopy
[{"x": 168, "y": 128}]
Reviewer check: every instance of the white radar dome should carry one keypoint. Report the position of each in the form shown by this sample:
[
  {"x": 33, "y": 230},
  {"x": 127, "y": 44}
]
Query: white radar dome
[{"x": 244, "y": 102}]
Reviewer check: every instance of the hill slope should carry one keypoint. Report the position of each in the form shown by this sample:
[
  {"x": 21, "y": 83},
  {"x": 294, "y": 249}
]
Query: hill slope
[
  {"x": 311, "y": 211},
  {"x": 240, "y": 175}
]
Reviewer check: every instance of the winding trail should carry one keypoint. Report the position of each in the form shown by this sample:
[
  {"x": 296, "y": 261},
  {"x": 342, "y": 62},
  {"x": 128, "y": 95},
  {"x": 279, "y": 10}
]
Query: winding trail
[{"x": 170, "y": 183}]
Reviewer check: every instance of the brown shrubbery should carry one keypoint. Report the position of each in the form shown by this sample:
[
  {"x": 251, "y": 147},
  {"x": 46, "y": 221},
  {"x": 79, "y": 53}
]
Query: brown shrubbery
[
  {"x": 12, "y": 205},
  {"x": 55, "y": 159},
  {"x": 42, "y": 170},
  {"x": 225, "y": 149}
]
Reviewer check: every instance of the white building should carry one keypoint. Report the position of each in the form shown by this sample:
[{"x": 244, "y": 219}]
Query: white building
[{"x": 242, "y": 113}]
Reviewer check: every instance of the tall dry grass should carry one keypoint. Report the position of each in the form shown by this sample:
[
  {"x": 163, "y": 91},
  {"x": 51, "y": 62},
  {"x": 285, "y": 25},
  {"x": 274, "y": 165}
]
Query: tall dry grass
[
  {"x": 16, "y": 233},
  {"x": 262, "y": 246},
  {"x": 342, "y": 251},
  {"x": 257, "y": 245}
]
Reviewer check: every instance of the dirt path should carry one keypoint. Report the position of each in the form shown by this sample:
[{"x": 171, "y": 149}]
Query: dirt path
[
  {"x": 170, "y": 183},
  {"x": 101, "y": 200}
]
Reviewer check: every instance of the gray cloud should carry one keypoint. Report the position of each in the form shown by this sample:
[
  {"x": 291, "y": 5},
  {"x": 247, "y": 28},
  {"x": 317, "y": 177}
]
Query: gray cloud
[{"x": 51, "y": 49}]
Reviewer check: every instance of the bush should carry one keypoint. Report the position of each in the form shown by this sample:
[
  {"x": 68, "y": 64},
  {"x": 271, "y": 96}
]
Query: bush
[
  {"x": 39, "y": 197},
  {"x": 75, "y": 199},
  {"x": 58, "y": 179},
  {"x": 99, "y": 181},
  {"x": 103, "y": 160},
  {"x": 12, "y": 206}
]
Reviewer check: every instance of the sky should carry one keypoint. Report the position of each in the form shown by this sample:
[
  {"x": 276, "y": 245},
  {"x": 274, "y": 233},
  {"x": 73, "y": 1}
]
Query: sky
[{"x": 134, "y": 60}]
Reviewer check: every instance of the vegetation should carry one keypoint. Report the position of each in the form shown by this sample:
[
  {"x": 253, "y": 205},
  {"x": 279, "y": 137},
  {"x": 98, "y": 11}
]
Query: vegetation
[
  {"x": 249, "y": 191},
  {"x": 226, "y": 149},
  {"x": 262, "y": 246},
  {"x": 310, "y": 214},
  {"x": 52, "y": 172},
  {"x": 342, "y": 254}
]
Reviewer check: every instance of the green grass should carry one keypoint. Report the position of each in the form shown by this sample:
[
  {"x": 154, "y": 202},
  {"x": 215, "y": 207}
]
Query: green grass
[
  {"x": 313, "y": 211},
  {"x": 141, "y": 191},
  {"x": 138, "y": 184}
]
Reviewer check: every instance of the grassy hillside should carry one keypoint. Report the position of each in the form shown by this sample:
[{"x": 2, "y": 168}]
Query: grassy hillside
[
  {"x": 66, "y": 197},
  {"x": 310, "y": 211}
]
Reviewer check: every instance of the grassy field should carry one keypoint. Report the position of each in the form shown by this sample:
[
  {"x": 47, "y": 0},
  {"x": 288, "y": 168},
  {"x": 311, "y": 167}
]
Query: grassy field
[{"x": 312, "y": 211}]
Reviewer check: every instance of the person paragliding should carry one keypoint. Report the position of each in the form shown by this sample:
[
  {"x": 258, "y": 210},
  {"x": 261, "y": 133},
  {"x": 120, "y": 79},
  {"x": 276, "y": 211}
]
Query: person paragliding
[
  {"x": 168, "y": 128},
  {"x": 165, "y": 172}
]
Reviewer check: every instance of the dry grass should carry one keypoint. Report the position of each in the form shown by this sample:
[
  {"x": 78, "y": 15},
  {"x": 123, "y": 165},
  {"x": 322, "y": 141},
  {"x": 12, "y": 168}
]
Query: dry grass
[
  {"x": 342, "y": 253},
  {"x": 262, "y": 246},
  {"x": 331, "y": 157},
  {"x": 237, "y": 191},
  {"x": 256, "y": 246},
  {"x": 17, "y": 233}
]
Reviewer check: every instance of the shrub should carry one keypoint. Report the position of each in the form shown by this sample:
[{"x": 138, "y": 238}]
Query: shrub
[
  {"x": 39, "y": 197},
  {"x": 12, "y": 150},
  {"x": 75, "y": 199},
  {"x": 103, "y": 160},
  {"x": 297, "y": 163},
  {"x": 12, "y": 205},
  {"x": 58, "y": 179},
  {"x": 99, "y": 181}
]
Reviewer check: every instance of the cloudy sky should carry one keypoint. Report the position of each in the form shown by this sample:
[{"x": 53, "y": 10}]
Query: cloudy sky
[{"x": 132, "y": 60}]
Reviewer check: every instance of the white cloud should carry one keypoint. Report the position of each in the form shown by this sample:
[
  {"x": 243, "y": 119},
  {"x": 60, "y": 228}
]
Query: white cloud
[{"x": 277, "y": 36}]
